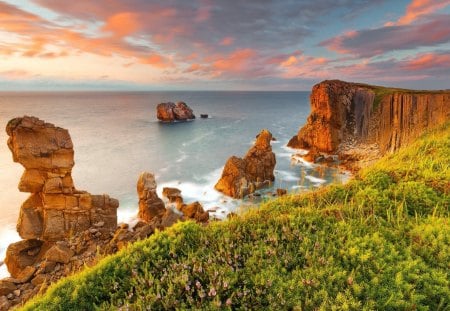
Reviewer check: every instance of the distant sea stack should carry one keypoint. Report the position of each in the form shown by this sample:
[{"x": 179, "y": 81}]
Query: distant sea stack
[
  {"x": 242, "y": 176},
  {"x": 350, "y": 117},
  {"x": 170, "y": 112}
]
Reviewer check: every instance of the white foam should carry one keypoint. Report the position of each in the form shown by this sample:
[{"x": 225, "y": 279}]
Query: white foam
[
  {"x": 286, "y": 176},
  {"x": 298, "y": 160},
  {"x": 315, "y": 180},
  {"x": 9, "y": 235}
]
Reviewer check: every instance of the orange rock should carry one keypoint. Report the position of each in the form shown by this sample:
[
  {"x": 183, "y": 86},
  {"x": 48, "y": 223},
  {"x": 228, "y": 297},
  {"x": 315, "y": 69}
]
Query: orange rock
[
  {"x": 150, "y": 205},
  {"x": 56, "y": 210},
  {"x": 241, "y": 177}
]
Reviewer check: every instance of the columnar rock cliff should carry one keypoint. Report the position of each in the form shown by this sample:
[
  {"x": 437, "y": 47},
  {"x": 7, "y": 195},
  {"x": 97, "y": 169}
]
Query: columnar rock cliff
[
  {"x": 242, "y": 176},
  {"x": 55, "y": 209},
  {"x": 348, "y": 115}
]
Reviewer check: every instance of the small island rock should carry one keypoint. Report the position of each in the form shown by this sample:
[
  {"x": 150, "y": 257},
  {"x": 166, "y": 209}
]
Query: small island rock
[{"x": 170, "y": 112}]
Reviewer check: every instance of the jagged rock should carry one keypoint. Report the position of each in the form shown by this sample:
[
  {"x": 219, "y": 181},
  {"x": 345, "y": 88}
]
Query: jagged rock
[
  {"x": 281, "y": 192},
  {"x": 26, "y": 274},
  {"x": 55, "y": 209},
  {"x": 4, "y": 303},
  {"x": 22, "y": 254},
  {"x": 241, "y": 177},
  {"x": 172, "y": 194},
  {"x": 194, "y": 211},
  {"x": 169, "y": 112},
  {"x": 59, "y": 253},
  {"x": 39, "y": 279},
  {"x": 150, "y": 205},
  {"x": 350, "y": 120},
  {"x": 170, "y": 218},
  {"x": 6, "y": 287}
]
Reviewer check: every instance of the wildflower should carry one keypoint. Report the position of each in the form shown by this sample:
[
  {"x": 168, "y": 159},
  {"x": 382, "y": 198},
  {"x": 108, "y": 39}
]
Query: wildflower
[
  {"x": 198, "y": 284},
  {"x": 212, "y": 292},
  {"x": 228, "y": 302}
]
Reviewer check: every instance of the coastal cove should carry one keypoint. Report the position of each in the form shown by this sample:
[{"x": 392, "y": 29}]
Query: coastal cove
[{"x": 116, "y": 136}]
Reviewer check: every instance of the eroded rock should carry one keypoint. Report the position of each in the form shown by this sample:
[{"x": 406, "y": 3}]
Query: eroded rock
[
  {"x": 169, "y": 112},
  {"x": 150, "y": 205},
  {"x": 242, "y": 176}
]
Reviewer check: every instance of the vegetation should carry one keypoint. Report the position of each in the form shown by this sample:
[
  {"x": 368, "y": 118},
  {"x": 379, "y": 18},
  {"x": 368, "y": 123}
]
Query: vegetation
[{"x": 379, "y": 242}]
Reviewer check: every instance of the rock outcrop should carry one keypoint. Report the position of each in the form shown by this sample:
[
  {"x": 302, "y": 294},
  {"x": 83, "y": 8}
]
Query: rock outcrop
[
  {"x": 55, "y": 209},
  {"x": 242, "y": 176},
  {"x": 170, "y": 112},
  {"x": 359, "y": 121},
  {"x": 150, "y": 205},
  {"x": 153, "y": 210}
]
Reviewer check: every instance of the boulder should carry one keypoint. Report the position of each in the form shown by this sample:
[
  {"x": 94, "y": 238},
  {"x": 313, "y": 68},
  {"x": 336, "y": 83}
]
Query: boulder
[
  {"x": 4, "y": 303},
  {"x": 150, "y": 205},
  {"x": 194, "y": 211},
  {"x": 22, "y": 254},
  {"x": 59, "y": 253},
  {"x": 55, "y": 209},
  {"x": 169, "y": 112},
  {"x": 172, "y": 194},
  {"x": 6, "y": 287},
  {"x": 281, "y": 192},
  {"x": 242, "y": 176}
]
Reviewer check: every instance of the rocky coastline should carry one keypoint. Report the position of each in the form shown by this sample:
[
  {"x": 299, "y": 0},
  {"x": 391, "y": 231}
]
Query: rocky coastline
[
  {"x": 65, "y": 229},
  {"x": 359, "y": 123}
]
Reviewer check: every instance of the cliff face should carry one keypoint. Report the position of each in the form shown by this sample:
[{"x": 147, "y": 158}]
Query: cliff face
[{"x": 347, "y": 115}]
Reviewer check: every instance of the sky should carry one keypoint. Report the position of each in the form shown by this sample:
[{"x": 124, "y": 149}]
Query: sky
[{"x": 222, "y": 44}]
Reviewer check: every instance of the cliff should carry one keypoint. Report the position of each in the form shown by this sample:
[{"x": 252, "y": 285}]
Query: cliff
[{"x": 349, "y": 116}]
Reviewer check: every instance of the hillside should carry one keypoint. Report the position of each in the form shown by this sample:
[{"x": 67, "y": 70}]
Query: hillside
[{"x": 379, "y": 242}]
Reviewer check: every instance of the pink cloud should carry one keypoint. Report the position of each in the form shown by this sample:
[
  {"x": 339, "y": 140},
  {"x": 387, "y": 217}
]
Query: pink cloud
[
  {"x": 428, "y": 61},
  {"x": 227, "y": 41},
  {"x": 419, "y": 8},
  {"x": 370, "y": 42}
]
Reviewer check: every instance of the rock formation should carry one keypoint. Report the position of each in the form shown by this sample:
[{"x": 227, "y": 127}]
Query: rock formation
[
  {"x": 169, "y": 112},
  {"x": 349, "y": 117},
  {"x": 242, "y": 176},
  {"x": 55, "y": 209},
  {"x": 153, "y": 210},
  {"x": 150, "y": 205}
]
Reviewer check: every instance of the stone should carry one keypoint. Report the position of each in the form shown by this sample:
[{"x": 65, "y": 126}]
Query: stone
[
  {"x": 16, "y": 292},
  {"x": 172, "y": 194},
  {"x": 194, "y": 211},
  {"x": 26, "y": 274},
  {"x": 6, "y": 287},
  {"x": 204, "y": 116},
  {"x": 55, "y": 210},
  {"x": 22, "y": 254},
  {"x": 4, "y": 303},
  {"x": 242, "y": 176},
  {"x": 59, "y": 253},
  {"x": 169, "y": 112},
  {"x": 31, "y": 181},
  {"x": 170, "y": 218},
  {"x": 281, "y": 192},
  {"x": 150, "y": 205},
  {"x": 40, "y": 279}
]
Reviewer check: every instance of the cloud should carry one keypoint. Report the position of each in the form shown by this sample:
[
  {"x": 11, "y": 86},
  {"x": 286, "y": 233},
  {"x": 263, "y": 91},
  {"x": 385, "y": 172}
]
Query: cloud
[
  {"x": 371, "y": 42},
  {"x": 419, "y": 8}
]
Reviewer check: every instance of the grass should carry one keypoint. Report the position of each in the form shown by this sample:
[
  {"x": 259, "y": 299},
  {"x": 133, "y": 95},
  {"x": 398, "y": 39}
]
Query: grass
[{"x": 379, "y": 242}]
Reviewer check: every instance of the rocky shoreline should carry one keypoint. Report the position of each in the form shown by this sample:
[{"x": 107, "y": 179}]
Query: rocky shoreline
[{"x": 359, "y": 123}]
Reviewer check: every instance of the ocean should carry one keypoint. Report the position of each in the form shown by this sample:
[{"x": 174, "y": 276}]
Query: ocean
[{"x": 117, "y": 136}]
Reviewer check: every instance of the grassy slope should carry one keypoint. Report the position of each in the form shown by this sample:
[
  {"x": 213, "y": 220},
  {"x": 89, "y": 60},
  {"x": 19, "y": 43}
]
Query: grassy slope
[{"x": 379, "y": 242}]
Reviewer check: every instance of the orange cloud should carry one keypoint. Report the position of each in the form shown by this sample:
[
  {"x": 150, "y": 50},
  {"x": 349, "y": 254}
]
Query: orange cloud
[
  {"x": 193, "y": 68},
  {"x": 235, "y": 62},
  {"x": 227, "y": 41},
  {"x": 427, "y": 61},
  {"x": 122, "y": 24},
  {"x": 418, "y": 8}
]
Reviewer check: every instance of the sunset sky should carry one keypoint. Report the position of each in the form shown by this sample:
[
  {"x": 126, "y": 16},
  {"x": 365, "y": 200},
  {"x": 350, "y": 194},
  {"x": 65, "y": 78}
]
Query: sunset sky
[{"x": 222, "y": 45}]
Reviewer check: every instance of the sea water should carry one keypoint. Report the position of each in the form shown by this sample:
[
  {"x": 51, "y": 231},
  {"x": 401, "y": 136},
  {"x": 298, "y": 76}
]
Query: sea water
[{"x": 116, "y": 136}]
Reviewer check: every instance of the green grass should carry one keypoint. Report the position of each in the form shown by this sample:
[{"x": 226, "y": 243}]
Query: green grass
[{"x": 380, "y": 242}]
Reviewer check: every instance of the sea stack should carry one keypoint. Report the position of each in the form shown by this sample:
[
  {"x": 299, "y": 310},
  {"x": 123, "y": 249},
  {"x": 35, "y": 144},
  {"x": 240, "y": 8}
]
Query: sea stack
[
  {"x": 242, "y": 176},
  {"x": 170, "y": 112},
  {"x": 55, "y": 210}
]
